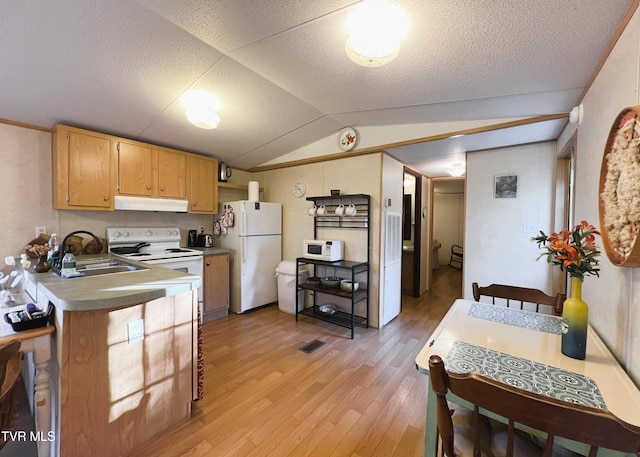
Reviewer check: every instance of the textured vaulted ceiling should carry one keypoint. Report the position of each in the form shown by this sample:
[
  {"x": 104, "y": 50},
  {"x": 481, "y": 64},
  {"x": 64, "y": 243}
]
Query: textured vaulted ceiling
[{"x": 280, "y": 70}]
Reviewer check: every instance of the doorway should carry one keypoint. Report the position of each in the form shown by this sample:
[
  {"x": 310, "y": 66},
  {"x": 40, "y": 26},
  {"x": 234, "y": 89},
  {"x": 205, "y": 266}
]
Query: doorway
[
  {"x": 411, "y": 233},
  {"x": 448, "y": 225}
]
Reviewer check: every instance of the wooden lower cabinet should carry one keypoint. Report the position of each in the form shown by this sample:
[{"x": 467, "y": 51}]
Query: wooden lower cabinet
[
  {"x": 116, "y": 396},
  {"x": 216, "y": 286}
]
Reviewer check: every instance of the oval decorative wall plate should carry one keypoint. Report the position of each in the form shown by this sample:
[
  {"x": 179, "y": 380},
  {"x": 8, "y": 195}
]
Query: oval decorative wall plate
[
  {"x": 347, "y": 138},
  {"x": 619, "y": 190}
]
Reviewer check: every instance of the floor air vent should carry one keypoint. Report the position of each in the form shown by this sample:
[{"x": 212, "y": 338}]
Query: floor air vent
[{"x": 312, "y": 346}]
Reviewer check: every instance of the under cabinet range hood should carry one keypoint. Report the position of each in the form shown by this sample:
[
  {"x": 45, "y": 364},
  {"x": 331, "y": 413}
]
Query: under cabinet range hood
[{"x": 122, "y": 202}]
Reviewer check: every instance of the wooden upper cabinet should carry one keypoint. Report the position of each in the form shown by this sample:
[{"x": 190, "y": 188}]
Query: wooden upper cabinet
[
  {"x": 90, "y": 168},
  {"x": 172, "y": 174},
  {"x": 147, "y": 171},
  {"x": 136, "y": 169},
  {"x": 203, "y": 189},
  {"x": 83, "y": 175}
]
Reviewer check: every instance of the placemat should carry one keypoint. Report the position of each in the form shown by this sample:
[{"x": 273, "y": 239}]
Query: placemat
[
  {"x": 524, "y": 374},
  {"x": 517, "y": 317}
]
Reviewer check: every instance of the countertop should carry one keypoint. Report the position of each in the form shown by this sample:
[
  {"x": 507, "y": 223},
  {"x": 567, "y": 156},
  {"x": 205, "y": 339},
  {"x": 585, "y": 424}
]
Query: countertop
[
  {"x": 213, "y": 251},
  {"x": 110, "y": 290}
]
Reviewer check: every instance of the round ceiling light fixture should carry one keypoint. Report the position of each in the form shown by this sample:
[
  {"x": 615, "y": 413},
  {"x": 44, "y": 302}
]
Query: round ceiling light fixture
[
  {"x": 376, "y": 29},
  {"x": 457, "y": 169},
  {"x": 200, "y": 107}
]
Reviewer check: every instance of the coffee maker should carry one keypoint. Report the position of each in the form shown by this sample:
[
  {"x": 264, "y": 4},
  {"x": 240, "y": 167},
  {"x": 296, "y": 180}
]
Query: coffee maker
[{"x": 192, "y": 239}]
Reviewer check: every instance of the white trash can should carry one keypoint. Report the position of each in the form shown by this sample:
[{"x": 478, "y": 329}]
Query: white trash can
[{"x": 286, "y": 274}]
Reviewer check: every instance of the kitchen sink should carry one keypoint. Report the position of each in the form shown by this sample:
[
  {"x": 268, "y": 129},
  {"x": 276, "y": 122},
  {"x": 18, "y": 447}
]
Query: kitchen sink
[
  {"x": 103, "y": 266},
  {"x": 108, "y": 270}
]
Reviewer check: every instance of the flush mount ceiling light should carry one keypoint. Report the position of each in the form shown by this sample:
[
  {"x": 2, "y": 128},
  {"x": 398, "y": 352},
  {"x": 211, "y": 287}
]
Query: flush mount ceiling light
[
  {"x": 457, "y": 169},
  {"x": 201, "y": 107},
  {"x": 376, "y": 29}
]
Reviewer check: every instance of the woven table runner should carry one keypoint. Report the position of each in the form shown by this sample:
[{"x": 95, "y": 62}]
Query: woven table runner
[
  {"x": 524, "y": 374},
  {"x": 516, "y": 317}
]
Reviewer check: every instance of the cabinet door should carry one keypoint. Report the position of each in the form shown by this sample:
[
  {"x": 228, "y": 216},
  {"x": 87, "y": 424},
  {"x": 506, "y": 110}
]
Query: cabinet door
[
  {"x": 135, "y": 169},
  {"x": 172, "y": 174},
  {"x": 216, "y": 286},
  {"x": 82, "y": 170},
  {"x": 203, "y": 191}
]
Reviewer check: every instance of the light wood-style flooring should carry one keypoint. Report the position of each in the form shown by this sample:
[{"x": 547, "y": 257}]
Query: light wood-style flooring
[
  {"x": 264, "y": 397},
  {"x": 358, "y": 398}
]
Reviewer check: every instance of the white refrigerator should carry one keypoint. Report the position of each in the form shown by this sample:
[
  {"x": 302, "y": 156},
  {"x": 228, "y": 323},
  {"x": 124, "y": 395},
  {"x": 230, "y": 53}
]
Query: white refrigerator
[{"x": 255, "y": 241}]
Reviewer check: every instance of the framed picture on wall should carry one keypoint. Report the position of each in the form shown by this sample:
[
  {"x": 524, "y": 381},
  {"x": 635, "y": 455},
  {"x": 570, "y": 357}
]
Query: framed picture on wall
[{"x": 506, "y": 186}]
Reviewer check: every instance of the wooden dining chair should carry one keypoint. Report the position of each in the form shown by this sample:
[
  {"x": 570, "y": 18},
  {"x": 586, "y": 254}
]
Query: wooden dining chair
[
  {"x": 457, "y": 255},
  {"x": 519, "y": 295},
  {"x": 10, "y": 360},
  {"x": 597, "y": 428}
]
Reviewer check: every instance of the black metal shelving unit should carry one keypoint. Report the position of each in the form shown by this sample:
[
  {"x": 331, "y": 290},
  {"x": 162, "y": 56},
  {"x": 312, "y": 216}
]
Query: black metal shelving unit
[{"x": 356, "y": 271}]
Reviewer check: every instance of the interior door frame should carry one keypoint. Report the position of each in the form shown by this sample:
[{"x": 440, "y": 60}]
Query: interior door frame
[{"x": 417, "y": 231}]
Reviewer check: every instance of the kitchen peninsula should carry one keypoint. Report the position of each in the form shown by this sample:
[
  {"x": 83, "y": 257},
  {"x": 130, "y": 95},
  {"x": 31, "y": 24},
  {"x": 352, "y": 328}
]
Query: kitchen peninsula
[{"x": 124, "y": 368}]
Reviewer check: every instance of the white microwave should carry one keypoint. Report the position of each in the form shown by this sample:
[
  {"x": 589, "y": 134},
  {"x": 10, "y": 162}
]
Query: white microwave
[{"x": 329, "y": 250}]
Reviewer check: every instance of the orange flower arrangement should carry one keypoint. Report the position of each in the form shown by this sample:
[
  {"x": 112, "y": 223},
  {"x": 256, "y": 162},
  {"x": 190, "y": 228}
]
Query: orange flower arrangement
[{"x": 575, "y": 251}]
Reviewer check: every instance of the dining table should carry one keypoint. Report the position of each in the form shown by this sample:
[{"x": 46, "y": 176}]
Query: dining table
[{"x": 523, "y": 349}]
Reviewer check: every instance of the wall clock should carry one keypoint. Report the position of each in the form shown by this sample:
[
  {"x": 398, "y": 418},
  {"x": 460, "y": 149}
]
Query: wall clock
[
  {"x": 619, "y": 190},
  {"x": 299, "y": 189},
  {"x": 347, "y": 138}
]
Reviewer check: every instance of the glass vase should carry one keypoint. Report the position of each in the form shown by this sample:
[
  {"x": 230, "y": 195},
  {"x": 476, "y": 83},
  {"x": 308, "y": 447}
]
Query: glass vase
[{"x": 575, "y": 316}]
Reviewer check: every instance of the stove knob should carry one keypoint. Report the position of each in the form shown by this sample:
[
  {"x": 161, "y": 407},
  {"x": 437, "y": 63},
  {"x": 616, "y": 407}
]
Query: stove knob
[
  {"x": 176, "y": 233},
  {"x": 125, "y": 234},
  {"x": 117, "y": 234},
  {"x": 148, "y": 233}
]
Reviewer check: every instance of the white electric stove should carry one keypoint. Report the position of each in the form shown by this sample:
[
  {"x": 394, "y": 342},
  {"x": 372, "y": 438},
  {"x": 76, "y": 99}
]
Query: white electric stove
[{"x": 155, "y": 245}]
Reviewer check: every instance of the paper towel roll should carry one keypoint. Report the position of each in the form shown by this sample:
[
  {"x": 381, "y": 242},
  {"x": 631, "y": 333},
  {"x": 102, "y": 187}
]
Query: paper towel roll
[{"x": 254, "y": 191}]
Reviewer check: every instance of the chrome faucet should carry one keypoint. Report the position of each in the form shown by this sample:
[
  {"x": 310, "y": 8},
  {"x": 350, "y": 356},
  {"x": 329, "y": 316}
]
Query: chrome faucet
[{"x": 59, "y": 254}]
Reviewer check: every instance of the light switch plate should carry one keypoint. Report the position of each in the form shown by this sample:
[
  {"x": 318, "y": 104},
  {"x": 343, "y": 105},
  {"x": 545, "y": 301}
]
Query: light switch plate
[{"x": 136, "y": 330}]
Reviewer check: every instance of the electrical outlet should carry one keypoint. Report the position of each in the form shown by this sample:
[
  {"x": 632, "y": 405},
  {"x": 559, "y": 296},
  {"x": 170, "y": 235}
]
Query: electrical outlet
[
  {"x": 136, "y": 330},
  {"x": 40, "y": 230},
  {"x": 201, "y": 229}
]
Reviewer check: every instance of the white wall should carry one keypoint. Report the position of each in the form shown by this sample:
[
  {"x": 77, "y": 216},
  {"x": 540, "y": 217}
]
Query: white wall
[
  {"x": 614, "y": 298},
  {"x": 497, "y": 248},
  {"x": 378, "y": 136},
  {"x": 353, "y": 175},
  {"x": 448, "y": 223},
  {"x": 25, "y": 174}
]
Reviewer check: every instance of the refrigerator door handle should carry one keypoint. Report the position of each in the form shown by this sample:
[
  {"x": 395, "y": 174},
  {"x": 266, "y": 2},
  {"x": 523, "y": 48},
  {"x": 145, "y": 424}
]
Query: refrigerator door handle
[
  {"x": 243, "y": 249},
  {"x": 243, "y": 224}
]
